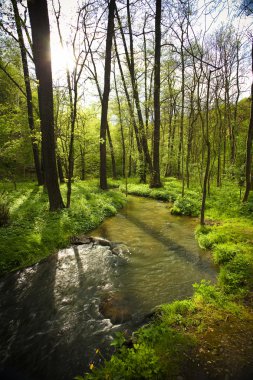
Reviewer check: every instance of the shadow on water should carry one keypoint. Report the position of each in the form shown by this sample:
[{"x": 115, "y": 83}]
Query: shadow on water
[
  {"x": 28, "y": 320},
  {"x": 50, "y": 313},
  {"x": 180, "y": 251}
]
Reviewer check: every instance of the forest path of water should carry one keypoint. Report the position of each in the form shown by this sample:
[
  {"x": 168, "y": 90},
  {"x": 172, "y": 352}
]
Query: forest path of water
[{"x": 51, "y": 314}]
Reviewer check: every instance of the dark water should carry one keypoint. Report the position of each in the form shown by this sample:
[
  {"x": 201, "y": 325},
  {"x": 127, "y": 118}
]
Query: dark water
[{"x": 50, "y": 315}]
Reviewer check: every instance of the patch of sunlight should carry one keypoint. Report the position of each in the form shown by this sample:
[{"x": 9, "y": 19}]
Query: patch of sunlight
[{"x": 19, "y": 201}]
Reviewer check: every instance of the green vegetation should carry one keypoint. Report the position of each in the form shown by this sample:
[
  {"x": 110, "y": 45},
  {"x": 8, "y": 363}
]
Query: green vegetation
[
  {"x": 32, "y": 232},
  {"x": 172, "y": 188},
  {"x": 184, "y": 335}
]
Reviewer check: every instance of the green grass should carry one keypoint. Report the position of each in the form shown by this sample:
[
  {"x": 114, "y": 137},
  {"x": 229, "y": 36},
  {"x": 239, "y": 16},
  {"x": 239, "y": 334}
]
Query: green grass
[
  {"x": 181, "y": 327},
  {"x": 162, "y": 348},
  {"x": 33, "y": 232}
]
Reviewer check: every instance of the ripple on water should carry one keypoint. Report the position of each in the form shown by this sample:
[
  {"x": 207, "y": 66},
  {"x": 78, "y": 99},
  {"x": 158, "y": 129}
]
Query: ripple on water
[{"x": 51, "y": 313}]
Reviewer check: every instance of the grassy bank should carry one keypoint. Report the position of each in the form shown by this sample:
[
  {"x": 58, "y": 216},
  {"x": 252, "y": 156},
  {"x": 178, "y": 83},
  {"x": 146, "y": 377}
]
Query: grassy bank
[
  {"x": 209, "y": 335},
  {"x": 33, "y": 233}
]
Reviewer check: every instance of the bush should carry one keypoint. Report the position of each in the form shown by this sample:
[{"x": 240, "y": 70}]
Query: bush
[
  {"x": 225, "y": 252},
  {"x": 236, "y": 274},
  {"x": 208, "y": 237},
  {"x": 186, "y": 206},
  {"x": 139, "y": 362}
]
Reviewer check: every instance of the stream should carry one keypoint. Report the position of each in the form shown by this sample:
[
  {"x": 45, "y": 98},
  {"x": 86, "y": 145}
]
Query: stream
[{"x": 55, "y": 314}]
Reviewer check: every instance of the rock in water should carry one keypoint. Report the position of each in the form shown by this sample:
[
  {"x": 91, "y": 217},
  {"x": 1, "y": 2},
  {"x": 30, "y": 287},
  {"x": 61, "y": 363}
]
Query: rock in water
[
  {"x": 120, "y": 249},
  {"x": 101, "y": 241},
  {"x": 80, "y": 240},
  {"x": 113, "y": 307}
]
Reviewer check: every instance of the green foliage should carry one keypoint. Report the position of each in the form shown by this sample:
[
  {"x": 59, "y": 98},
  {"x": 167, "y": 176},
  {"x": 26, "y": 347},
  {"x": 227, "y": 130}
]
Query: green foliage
[
  {"x": 35, "y": 232},
  {"x": 208, "y": 237},
  {"x": 169, "y": 192},
  {"x": 232, "y": 249},
  {"x": 237, "y": 274},
  {"x": 157, "y": 348},
  {"x": 224, "y": 252},
  {"x": 206, "y": 295},
  {"x": 119, "y": 340},
  {"x": 186, "y": 206},
  {"x": 139, "y": 362}
]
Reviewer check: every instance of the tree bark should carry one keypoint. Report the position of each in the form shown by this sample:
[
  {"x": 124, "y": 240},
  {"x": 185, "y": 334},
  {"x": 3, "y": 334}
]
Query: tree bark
[
  {"x": 28, "y": 91},
  {"x": 131, "y": 112},
  {"x": 208, "y": 159},
  {"x": 107, "y": 74},
  {"x": 249, "y": 143},
  {"x": 155, "y": 177},
  {"x": 39, "y": 20}
]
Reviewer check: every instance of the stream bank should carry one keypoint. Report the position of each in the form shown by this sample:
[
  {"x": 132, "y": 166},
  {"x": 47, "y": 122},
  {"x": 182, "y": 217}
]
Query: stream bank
[{"x": 54, "y": 314}]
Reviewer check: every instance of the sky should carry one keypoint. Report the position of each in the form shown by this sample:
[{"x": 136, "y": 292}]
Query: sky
[{"x": 63, "y": 57}]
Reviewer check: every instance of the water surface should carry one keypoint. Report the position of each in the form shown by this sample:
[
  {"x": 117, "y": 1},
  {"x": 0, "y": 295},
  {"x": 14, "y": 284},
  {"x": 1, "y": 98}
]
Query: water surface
[{"x": 51, "y": 320}]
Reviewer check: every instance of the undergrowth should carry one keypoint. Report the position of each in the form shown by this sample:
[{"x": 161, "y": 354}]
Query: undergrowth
[{"x": 32, "y": 232}]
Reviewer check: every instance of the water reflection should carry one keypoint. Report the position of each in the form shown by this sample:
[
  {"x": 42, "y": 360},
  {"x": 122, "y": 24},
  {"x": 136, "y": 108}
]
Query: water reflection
[{"x": 52, "y": 314}]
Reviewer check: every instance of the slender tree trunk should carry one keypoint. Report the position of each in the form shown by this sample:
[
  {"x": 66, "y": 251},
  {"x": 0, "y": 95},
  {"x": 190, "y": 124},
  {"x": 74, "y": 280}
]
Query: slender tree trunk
[
  {"x": 39, "y": 20},
  {"x": 95, "y": 77},
  {"x": 71, "y": 142},
  {"x": 29, "y": 100},
  {"x": 82, "y": 154},
  {"x": 208, "y": 159},
  {"x": 155, "y": 175},
  {"x": 121, "y": 130},
  {"x": 131, "y": 112},
  {"x": 219, "y": 144},
  {"x": 60, "y": 170},
  {"x": 182, "y": 122},
  {"x": 107, "y": 74},
  {"x": 131, "y": 67},
  {"x": 192, "y": 121},
  {"x": 249, "y": 143}
]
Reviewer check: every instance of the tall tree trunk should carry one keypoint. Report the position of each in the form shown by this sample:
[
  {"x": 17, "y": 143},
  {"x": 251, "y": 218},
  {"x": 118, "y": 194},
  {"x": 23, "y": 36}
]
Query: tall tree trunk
[
  {"x": 218, "y": 181},
  {"x": 82, "y": 154},
  {"x": 182, "y": 115},
  {"x": 60, "y": 169},
  {"x": 249, "y": 143},
  {"x": 29, "y": 100},
  {"x": 95, "y": 77},
  {"x": 131, "y": 112},
  {"x": 121, "y": 130},
  {"x": 155, "y": 175},
  {"x": 107, "y": 74},
  {"x": 39, "y": 20},
  {"x": 208, "y": 159}
]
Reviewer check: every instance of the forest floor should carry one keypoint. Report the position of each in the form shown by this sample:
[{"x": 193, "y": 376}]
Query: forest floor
[{"x": 224, "y": 350}]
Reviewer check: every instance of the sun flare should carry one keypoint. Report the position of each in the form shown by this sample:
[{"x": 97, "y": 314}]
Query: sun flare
[{"x": 62, "y": 58}]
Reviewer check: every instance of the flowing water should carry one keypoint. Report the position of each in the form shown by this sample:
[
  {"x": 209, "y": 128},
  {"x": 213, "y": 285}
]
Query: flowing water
[{"x": 55, "y": 314}]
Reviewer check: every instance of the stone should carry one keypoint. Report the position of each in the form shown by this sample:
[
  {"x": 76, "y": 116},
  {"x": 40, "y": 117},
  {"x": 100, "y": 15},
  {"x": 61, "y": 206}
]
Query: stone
[
  {"x": 120, "y": 249},
  {"x": 112, "y": 307},
  {"x": 81, "y": 240},
  {"x": 100, "y": 241}
]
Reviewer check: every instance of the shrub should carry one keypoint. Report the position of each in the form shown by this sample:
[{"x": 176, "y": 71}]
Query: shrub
[
  {"x": 236, "y": 274},
  {"x": 224, "y": 252},
  {"x": 139, "y": 362},
  {"x": 208, "y": 237},
  {"x": 186, "y": 206}
]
